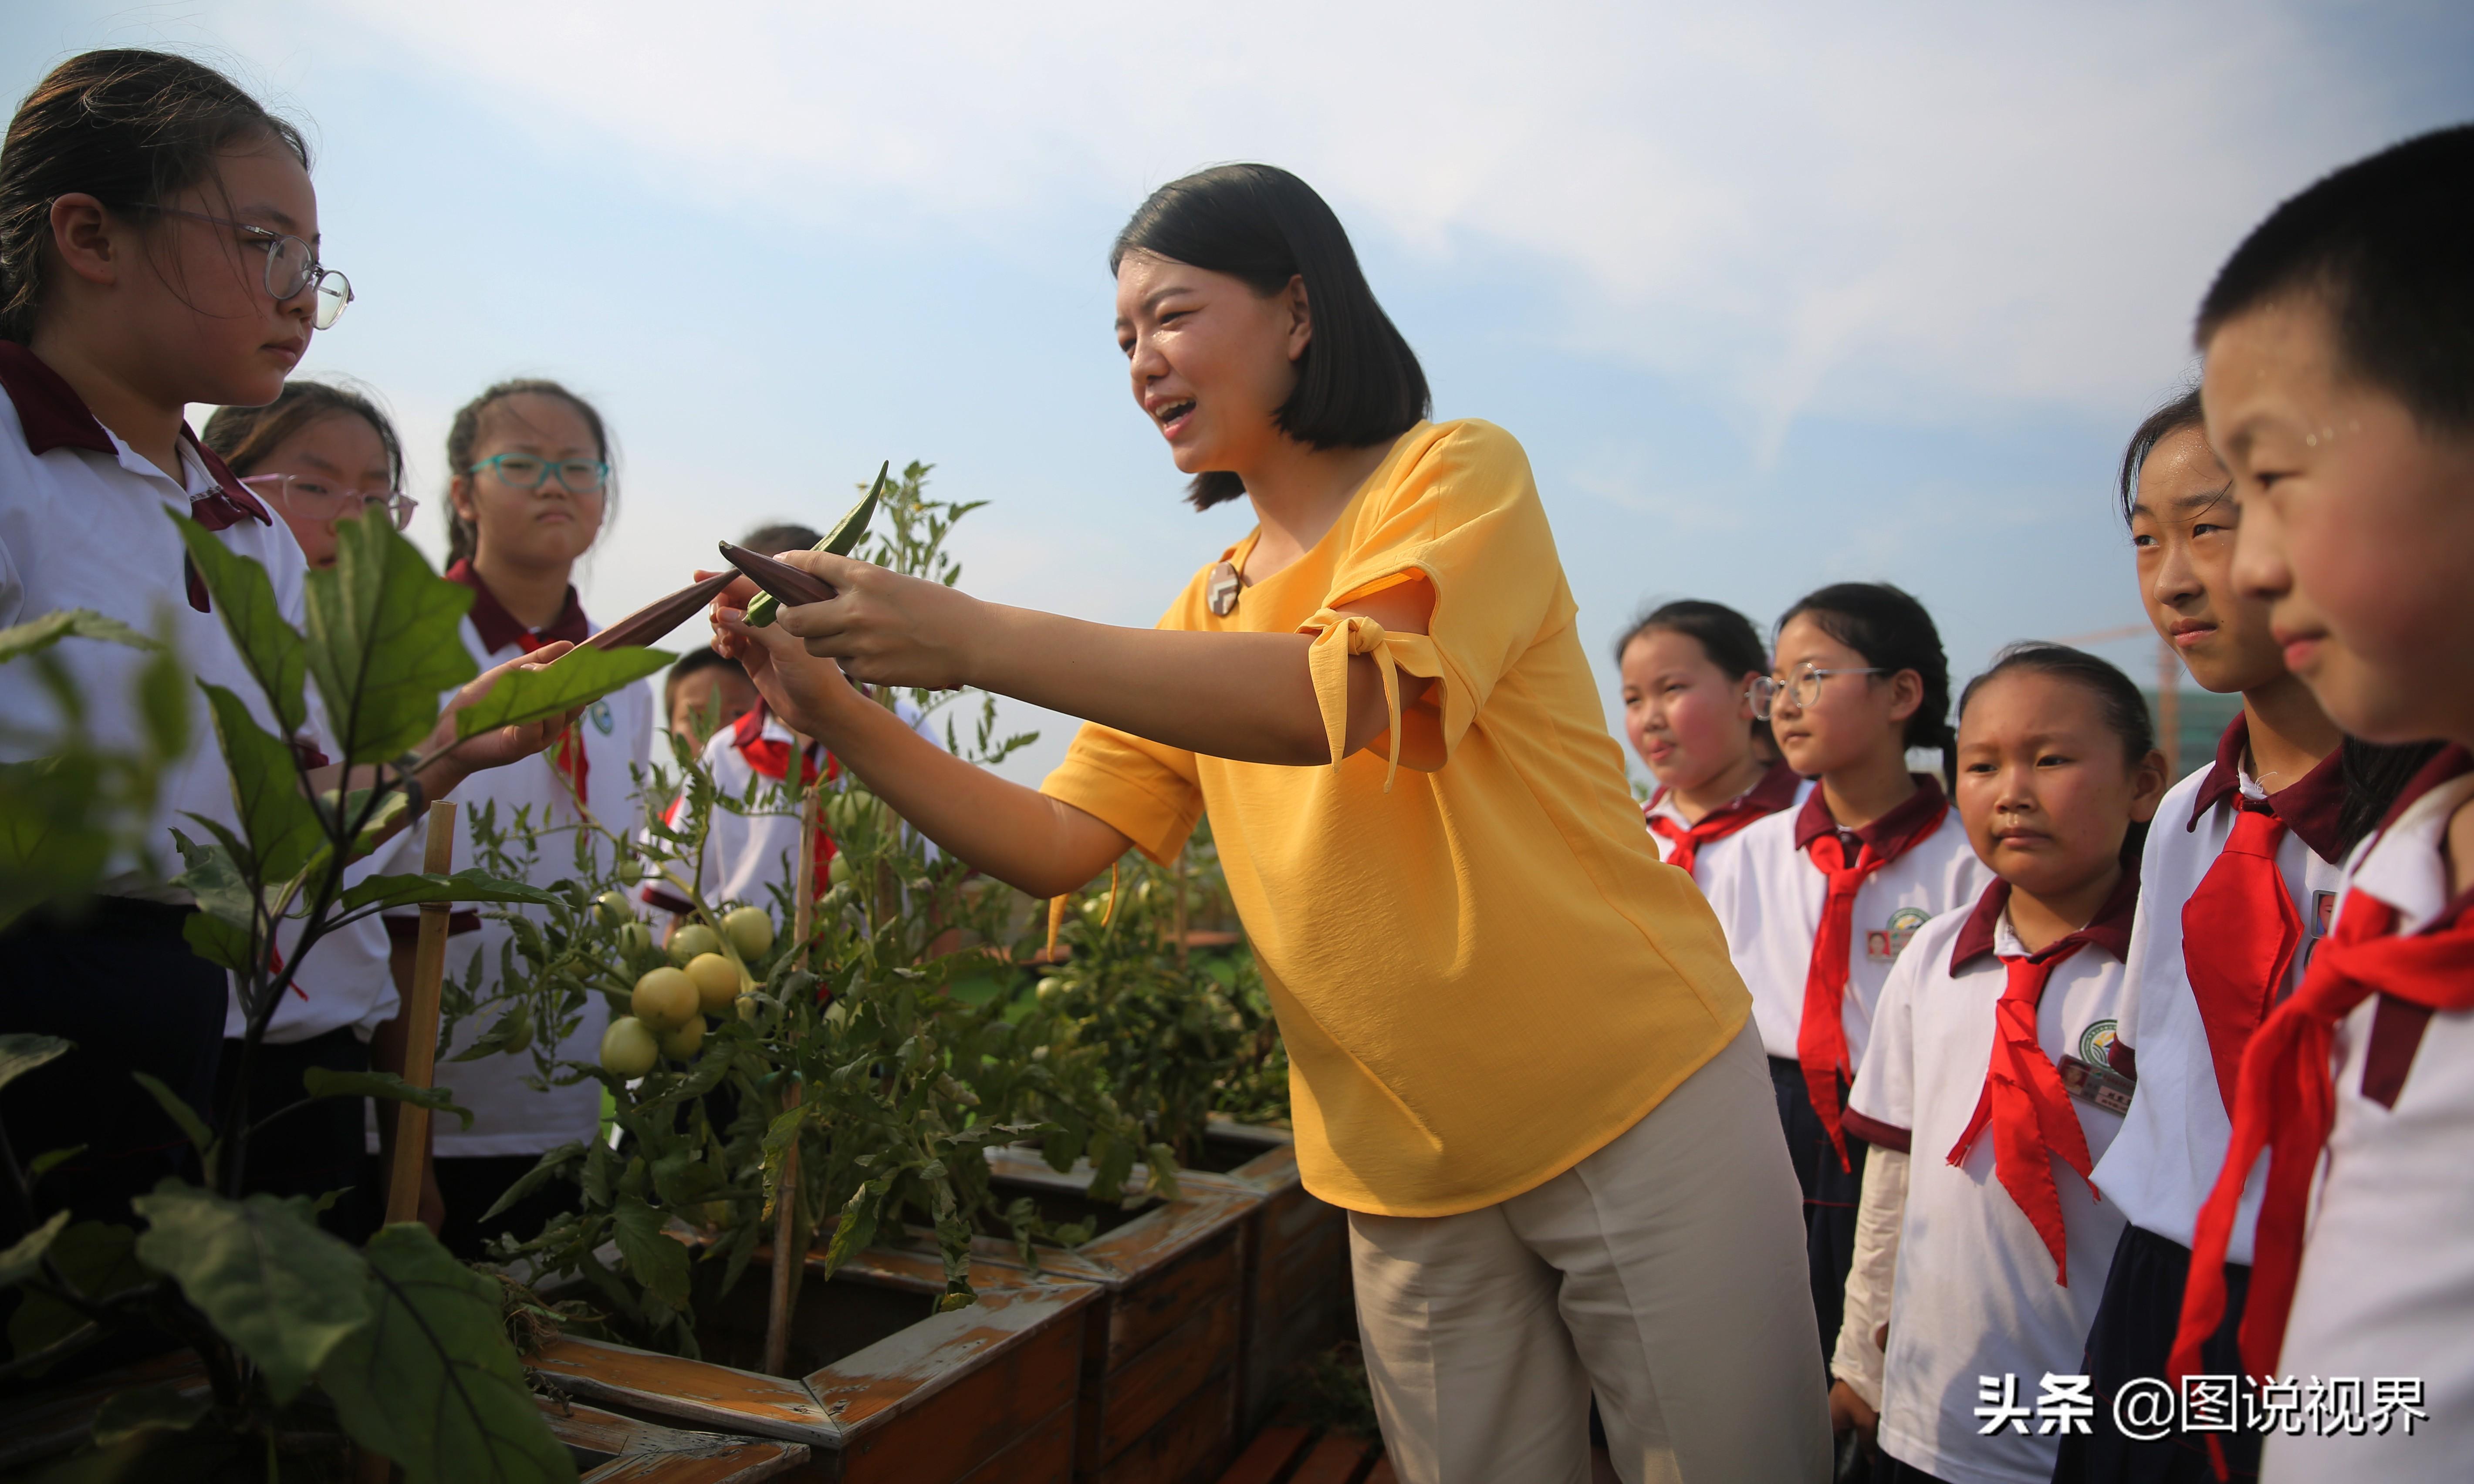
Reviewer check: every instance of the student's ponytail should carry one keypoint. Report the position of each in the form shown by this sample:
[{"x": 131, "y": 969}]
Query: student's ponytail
[
  {"x": 2373, "y": 775},
  {"x": 131, "y": 129},
  {"x": 1892, "y": 630}
]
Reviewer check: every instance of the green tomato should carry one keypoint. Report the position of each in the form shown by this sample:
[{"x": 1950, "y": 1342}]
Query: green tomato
[
  {"x": 690, "y": 939},
  {"x": 628, "y": 1049},
  {"x": 666, "y": 999},
  {"x": 615, "y": 908},
  {"x": 839, "y": 872},
  {"x": 686, "y": 1041},
  {"x": 635, "y": 939},
  {"x": 1049, "y": 989},
  {"x": 717, "y": 981},
  {"x": 750, "y": 931}
]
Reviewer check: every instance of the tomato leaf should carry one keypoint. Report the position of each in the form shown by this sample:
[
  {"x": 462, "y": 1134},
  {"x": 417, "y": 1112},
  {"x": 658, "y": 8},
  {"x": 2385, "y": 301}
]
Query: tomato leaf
[
  {"x": 552, "y": 1164},
  {"x": 430, "y": 1380},
  {"x": 193, "y": 1127},
  {"x": 282, "y": 827},
  {"x": 39, "y": 634},
  {"x": 326, "y": 1081},
  {"x": 245, "y": 600},
  {"x": 384, "y": 640},
  {"x": 470, "y": 884},
  {"x": 653, "y": 1257},
  {"x": 280, "y": 1289},
  {"x": 579, "y": 677}
]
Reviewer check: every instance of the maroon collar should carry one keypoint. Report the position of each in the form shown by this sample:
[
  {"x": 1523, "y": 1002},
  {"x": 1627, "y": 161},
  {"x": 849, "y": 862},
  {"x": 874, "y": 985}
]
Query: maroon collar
[
  {"x": 55, "y": 416},
  {"x": 1772, "y": 792},
  {"x": 1891, "y": 834},
  {"x": 498, "y": 628},
  {"x": 2109, "y": 929},
  {"x": 2311, "y": 805},
  {"x": 2445, "y": 764}
]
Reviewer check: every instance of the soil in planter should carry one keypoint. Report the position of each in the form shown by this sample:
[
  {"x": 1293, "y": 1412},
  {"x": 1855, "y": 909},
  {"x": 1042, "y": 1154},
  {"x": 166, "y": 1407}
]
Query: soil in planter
[{"x": 831, "y": 1319}]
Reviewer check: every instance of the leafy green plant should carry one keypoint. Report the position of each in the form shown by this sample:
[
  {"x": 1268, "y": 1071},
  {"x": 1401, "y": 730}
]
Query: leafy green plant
[{"x": 397, "y": 1345}]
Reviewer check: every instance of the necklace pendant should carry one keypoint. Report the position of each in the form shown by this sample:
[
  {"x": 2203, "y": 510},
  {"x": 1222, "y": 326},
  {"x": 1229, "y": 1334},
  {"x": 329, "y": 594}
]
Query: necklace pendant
[{"x": 1221, "y": 590}]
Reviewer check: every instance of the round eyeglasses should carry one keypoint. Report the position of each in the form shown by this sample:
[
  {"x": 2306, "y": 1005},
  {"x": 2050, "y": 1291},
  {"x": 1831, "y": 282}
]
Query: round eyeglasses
[
  {"x": 1803, "y": 687},
  {"x": 530, "y": 471},
  {"x": 291, "y": 267},
  {"x": 315, "y": 500}
]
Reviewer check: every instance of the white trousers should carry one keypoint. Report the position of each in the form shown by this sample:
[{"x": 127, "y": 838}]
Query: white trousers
[{"x": 1665, "y": 1272}]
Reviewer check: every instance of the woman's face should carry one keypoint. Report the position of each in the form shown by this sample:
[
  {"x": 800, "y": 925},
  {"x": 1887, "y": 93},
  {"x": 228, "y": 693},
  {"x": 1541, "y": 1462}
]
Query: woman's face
[
  {"x": 2044, "y": 789},
  {"x": 339, "y": 454},
  {"x": 550, "y": 526},
  {"x": 1853, "y": 718},
  {"x": 1690, "y": 721},
  {"x": 1212, "y": 361}
]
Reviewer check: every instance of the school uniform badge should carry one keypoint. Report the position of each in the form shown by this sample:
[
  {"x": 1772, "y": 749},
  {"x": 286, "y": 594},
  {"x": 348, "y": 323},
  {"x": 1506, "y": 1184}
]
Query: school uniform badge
[
  {"x": 1883, "y": 945},
  {"x": 2096, "y": 1042},
  {"x": 602, "y": 716}
]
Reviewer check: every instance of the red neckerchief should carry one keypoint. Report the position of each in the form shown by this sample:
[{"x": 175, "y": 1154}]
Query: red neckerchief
[
  {"x": 1821, "y": 1038},
  {"x": 1775, "y": 791},
  {"x": 55, "y": 416},
  {"x": 2285, "y": 1104},
  {"x": 771, "y": 758},
  {"x": 499, "y": 628},
  {"x": 2024, "y": 1100}
]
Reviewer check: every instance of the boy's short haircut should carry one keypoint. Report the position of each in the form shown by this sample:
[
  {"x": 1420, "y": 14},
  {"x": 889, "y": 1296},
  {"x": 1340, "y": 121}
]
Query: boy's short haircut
[
  {"x": 2388, "y": 243},
  {"x": 774, "y": 539},
  {"x": 703, "y": 657}
]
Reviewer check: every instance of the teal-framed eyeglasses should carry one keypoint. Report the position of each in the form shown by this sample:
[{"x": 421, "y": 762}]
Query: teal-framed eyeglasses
[
  {"x": 1803, "y": 687},
  {"x": 529, "y": 472}
]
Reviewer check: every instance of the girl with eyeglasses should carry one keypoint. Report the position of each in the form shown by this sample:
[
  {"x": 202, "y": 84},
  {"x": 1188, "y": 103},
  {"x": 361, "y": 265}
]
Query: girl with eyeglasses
[
  {"x": 528, "y": 492},
  {"x": 1688, "y": 670},
  {"x": 1824, "y": 896},
  {"x": 1522, "y": 1059},
  {"x": 157, "y": 247}
]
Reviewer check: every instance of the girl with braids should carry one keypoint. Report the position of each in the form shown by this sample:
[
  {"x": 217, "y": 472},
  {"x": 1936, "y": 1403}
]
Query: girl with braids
[
  {"x": 1826, "y": 896},
  {"x": 1987, "y": 1062},
  {"x": 528, "y": 491},
  {"x": 1688, "y": 669}
]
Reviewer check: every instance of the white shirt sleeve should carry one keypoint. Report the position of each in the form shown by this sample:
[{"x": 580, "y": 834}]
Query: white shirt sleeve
[{"x": 1879, "y": 1215}]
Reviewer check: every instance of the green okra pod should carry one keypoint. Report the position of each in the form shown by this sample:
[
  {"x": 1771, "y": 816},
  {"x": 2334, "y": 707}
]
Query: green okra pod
[{"x": 839, "y": 540}]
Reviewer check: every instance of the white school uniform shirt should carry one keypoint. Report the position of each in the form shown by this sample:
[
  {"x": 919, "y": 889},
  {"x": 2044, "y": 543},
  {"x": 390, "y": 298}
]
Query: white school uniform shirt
[
  {"x": 347, "y": 982},
  {"x": 1769, "y": 895},
  {"x": 82, "y": 526},
  {"x": 616, "y": 737},
  {"x": 2386, "y": 1283},
  {"x": 1974, "y": 1293},
  {"x": 2173, "y": 1140},
  {"x": 746, "y": 857},
  {"x": 1779, "y": 789}
]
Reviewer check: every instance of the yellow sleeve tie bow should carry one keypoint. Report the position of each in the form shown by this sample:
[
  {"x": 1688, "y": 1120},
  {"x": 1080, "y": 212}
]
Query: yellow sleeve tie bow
[{"x": 1328, "y": 662}]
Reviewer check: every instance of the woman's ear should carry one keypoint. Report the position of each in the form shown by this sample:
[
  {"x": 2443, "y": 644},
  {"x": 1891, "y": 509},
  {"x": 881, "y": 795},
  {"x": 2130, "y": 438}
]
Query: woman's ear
[
  {"x": 1301, "y": 316},
  {"x": 1907, "y": 694}
]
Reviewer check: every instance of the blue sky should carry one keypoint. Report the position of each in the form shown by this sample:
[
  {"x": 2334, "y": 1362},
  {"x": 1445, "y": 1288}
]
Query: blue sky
[{"x": 1777, "y": 297}]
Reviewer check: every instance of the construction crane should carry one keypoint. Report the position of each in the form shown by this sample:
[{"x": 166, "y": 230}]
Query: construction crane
[{"x": 2168, "y": 687}]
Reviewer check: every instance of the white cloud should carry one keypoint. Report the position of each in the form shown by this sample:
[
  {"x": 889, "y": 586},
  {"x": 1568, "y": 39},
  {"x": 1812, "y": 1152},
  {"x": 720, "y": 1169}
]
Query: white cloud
[{"x": 1860, "y": 208}]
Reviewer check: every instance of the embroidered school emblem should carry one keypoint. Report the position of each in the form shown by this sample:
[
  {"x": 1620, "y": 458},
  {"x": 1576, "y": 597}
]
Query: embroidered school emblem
[
  {"x": 603, "y": 717},
  {"x": 1885, "y": 944},
  {"x": 2096, "y": 1042}
]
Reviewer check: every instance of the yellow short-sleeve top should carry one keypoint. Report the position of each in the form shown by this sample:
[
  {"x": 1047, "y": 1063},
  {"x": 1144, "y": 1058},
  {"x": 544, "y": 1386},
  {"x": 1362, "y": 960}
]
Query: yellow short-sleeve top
[{"x": 1482, "y": 971}]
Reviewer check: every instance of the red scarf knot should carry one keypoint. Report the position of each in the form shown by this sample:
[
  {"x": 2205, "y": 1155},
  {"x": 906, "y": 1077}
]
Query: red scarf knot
[{"x": 2239, "y": 936}]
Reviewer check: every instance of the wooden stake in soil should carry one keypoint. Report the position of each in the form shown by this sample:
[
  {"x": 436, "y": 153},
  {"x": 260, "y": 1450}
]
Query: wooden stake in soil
[
  {"x": 789, "y": 1261},
  {"x": 421, "y": 1026}
]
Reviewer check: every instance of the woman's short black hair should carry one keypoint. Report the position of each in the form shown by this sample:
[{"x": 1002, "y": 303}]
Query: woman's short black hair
[
  {"x": 1358, "y": 383},
  {"x": 2385, "y": 243},
  {"x": 2182, "y": 411},
  {"x": 1892, "y": 630}
]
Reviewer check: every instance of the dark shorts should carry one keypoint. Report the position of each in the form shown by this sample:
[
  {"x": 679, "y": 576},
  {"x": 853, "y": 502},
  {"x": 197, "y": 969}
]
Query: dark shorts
[
  {"x": 122, "y": 985},
  {"x": 1831, "y": 1192},
  {"x": 2132, "y": 1336}
]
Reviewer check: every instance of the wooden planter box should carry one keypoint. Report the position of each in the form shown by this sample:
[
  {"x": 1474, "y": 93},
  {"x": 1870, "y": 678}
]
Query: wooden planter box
[
  {"x": 607, "y": 1449},
  {"x": 1299, "y": 1300},
  {"x": 887, "y": 1389},
  {"x": 1162, "y": 1347}
]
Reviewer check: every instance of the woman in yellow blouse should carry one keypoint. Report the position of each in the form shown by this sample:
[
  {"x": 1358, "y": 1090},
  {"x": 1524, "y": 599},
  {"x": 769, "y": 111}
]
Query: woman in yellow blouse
[{"x": 1521, "y": 1052}]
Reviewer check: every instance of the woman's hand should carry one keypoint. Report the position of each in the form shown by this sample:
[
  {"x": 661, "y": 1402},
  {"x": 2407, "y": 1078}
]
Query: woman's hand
[
  {"x": 886, "y": 629},
  {"x": 811, "y": 695}
]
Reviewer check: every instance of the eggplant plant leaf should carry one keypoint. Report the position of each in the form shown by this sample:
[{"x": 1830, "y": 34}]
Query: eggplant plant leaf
[
  {"x": 579, "y": 677},
  {"x": 283, "y": 829},
  {"x": 165, "y": 1408},
  {"x": 280, "y": 1289},
  {"x": 470, "y": 884},
  {"x": 21, "y": 1052},
  {"x": 326, "y": 1081},
  {"x": 430, "y": 1380},
  {"x": 98, "y": 1260},
  {"x": 25, "y": 1258},
  {"x": 384, "y": 640},
  {"x": 220, "y": 929},
  {"x": 41, "y": 634},
  {"x": 245, "y": 600}
]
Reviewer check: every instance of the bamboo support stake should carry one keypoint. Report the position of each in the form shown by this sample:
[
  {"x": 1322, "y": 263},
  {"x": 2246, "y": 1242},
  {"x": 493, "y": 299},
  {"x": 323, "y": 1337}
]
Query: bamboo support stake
[
  {"x": 421, "y": 1026},
  {"x": 788, "y": 1263}
]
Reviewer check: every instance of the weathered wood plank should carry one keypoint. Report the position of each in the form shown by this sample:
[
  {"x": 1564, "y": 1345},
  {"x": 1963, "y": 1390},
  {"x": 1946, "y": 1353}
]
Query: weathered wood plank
[
  {"x": 964, "y": 1416},
  {"x": 1381, "y": 1472},
  {"x": 1335, "y": 1460},
  {"x": 693, "y": 1391},
  {"x": 650, "y": 1454},
  {"x": 1128, "y": 1401},
  {"x": 1147, "y": 1301},
  {"x": 1190, "y": 1445},
  {"x": 1267, "y": 1459},
  {"x": 1044, "y": 1455}
]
